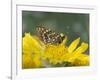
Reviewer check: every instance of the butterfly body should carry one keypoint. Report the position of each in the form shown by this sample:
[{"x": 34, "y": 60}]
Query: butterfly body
[{"x": 49, "y": 36}]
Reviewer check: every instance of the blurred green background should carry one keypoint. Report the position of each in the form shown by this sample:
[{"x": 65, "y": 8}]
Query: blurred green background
[{"x": 73, "y": 25}]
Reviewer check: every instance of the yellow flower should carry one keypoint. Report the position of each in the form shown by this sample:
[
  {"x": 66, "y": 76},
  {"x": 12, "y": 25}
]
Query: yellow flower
[{"x": 35, "y": 52}]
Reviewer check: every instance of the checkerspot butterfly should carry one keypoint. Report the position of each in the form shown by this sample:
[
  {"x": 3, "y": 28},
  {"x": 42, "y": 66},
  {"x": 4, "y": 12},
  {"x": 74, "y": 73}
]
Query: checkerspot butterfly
[{"x": 49, "y": 36}]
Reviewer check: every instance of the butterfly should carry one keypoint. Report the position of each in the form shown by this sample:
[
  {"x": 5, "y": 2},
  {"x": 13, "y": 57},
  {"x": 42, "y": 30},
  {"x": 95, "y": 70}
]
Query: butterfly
[{"x": 49, "y": 36}]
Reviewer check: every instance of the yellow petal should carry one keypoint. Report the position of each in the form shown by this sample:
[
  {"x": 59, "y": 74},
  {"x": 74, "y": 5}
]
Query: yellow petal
[
  {"x": 32, "y": 44},
  {"x": 37, "y": 61},
  {"x": 33, "y": 39},
  {"x": 82, "y": 48},
  {"x": 27, "y": 61},
  {"x": 79, "y": 51},
  {"x": 73, "y": 45},
  {"x": 82, "y": 60}
]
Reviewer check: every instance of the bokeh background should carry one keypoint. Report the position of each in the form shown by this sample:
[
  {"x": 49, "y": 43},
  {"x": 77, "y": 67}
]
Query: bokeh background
[{"x": 73, "y": 25}]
